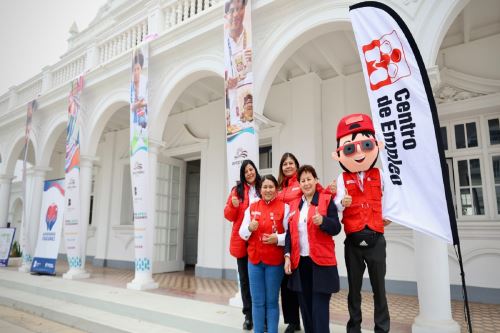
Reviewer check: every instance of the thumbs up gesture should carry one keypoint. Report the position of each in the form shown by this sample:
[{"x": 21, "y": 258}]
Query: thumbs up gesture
[
  {"x": 317, "y": 218},
  {"x": 346, "y": 202},
  {"x": 333, "y": 186},
  {"x": 254, "y": 224},
  {"x": 235, "y": 201}
]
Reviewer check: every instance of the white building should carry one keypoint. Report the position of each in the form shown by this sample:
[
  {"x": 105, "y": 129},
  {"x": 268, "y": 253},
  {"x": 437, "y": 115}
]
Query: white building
[{"x": 307, "y": 76}]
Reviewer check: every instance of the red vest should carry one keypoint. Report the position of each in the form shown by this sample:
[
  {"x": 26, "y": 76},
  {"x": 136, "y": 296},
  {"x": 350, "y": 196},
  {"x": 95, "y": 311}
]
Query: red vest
[
  {"x": 237, "y": 246},
  {"x": 270, "y": 217},
  {"x": 366, "y": 206},
  {"x": 290, "y": 192},
  {"x": 321, "y": 244}
]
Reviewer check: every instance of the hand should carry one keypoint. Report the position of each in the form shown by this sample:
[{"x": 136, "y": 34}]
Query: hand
[
  {"x": 317, "y": 218},
  {"x": 254, "y": 224},
  {"x": 231, "y": 83},
  {"x": 333, "y": 186},
  {"x": 270, "y": 239},
  {"x": 386, "y": 222},
  {"x": 346, "y": 202},
  {"x": 288, "y": 266},
  {"x": 235, "y": 201}
]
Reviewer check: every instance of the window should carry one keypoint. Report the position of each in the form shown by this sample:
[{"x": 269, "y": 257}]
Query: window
[
  {"x": 466, "y": 135},
  {"x": 470, "y": 187},
  {"x": 127, "y": 213},
  {"x": 444, "y": 137},
  {"x": 496, "y": 177},
  {"x": 494, "y": 129},
  {"x": 266, "y": 157}
]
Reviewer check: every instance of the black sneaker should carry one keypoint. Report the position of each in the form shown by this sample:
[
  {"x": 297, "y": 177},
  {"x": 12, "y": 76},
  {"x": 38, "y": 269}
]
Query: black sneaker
[{"x": 248, "y": 324}]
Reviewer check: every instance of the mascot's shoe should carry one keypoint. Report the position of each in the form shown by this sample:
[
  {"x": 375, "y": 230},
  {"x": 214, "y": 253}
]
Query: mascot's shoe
[
  {"x": 248, "y": 324},
  {"x": 292, "y": 328}
]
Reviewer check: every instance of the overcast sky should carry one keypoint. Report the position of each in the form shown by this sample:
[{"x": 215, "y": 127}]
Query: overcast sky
[{"x": 34, "y": 33}]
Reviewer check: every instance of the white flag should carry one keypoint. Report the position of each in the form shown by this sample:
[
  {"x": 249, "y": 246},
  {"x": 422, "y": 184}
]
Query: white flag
[{"x": 416, "y": 187}]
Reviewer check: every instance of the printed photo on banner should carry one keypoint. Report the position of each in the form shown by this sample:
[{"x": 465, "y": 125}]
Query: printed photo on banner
[
  {"x": 6, "y": 239},
  {"x": 139, "y": 100},
  {"x": 50, "y": 227},
  {"x": 238, "y": 74}
]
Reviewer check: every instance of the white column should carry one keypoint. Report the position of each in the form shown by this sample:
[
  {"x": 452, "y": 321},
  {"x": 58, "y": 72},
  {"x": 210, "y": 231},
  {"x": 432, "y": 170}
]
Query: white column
[
  {"x": 433, "y": 279},
  {"x": 34, "y": 177},
  {"x": 143, "y": 280},
  {"x": 86, "y": 165},
  {"x": 5, "y": 183}
]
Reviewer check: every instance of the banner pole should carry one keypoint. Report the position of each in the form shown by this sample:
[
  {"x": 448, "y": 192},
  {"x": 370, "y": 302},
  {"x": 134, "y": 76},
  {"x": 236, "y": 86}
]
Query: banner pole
[{"x": 458, "y": 252}]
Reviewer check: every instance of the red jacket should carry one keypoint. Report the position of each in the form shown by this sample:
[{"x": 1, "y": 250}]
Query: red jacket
[
  {"x": 270, "y": 217},
  {"x": 292, "y": 191},
  {"x": 366, "y": 207},
  {"x": 237, "y": 246},
  {"x": 321, "y": 243}
]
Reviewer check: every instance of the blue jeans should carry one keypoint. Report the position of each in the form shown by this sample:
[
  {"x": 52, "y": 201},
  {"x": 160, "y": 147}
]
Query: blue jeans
[{"x": 265, "y": 281}]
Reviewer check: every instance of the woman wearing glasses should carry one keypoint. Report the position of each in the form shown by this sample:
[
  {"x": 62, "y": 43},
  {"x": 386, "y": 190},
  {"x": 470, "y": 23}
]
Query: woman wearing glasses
[{"x": 264, "y": 226}]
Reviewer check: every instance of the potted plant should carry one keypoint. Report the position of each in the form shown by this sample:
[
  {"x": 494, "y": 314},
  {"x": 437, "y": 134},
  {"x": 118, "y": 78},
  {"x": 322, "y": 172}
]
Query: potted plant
[{"x": 15, "y": 257}]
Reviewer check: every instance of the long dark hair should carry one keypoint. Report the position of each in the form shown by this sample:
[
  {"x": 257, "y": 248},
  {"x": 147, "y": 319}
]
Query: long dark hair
[
  {"x": 240, "y": 186},
  {"x": 281, "y": 175}
]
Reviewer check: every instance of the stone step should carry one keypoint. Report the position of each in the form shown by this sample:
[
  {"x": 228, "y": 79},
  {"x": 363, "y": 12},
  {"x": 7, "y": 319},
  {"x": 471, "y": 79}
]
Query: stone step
[{"x": 99, "y": 308}]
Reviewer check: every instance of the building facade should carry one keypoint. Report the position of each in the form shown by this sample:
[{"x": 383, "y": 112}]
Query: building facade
[{"x": 307, "y": 76}]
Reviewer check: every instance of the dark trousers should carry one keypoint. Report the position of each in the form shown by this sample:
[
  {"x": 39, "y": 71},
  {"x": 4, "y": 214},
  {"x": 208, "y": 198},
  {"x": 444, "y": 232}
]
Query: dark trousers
[
  {"x": 356, "y": 260},
  {"x": 289, "y": 303},
  {"x": 314, "y": 306},
  {"x": 245, "y": 286}
]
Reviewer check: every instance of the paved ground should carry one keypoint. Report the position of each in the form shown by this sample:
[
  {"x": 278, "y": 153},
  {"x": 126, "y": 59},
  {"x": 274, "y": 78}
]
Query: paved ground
[{"x": 403, "y": 309}]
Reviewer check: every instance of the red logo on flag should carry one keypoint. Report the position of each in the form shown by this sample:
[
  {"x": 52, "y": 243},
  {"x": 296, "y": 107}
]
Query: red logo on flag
[{"x": 385, "y": 61}]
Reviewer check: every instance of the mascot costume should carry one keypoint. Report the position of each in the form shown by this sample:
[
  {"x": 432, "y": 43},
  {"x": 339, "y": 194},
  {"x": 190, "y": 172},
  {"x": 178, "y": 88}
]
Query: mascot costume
[{"x": 359, "y": 198}]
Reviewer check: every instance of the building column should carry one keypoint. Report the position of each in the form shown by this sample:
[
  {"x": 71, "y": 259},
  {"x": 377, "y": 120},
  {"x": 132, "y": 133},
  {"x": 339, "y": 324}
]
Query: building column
[
  {"x": 143, "y": 279},
  {"x": 305, "y": 117},
  {"x": 35, "y": 177},
  {"x": 5, "y": 184},
  {"x": 86, "y": 166},
  {"x": 104, "y": 186},
  {"x": 433, "y": 280}
]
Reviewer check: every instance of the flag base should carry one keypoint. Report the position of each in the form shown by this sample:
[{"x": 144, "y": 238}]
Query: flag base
[
  {"x": 76, "y": 274},
  {"x": 140, "y": 284},
  {"x": 421, "y": 325}
]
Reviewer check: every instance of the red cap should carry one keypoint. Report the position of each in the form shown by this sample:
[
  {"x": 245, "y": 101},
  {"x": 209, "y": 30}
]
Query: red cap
[{"x": 354, "y": 123}]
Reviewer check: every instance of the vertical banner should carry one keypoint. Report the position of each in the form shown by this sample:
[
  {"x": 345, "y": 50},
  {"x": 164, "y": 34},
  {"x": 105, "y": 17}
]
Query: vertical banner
[
  {"x": 416, "y": 188},
  {"x": 139, "y": 159},
  {"x": 72, "y": 223},
  {"x": 49, "y": 230},
  {"x": 6, "y": 239},
  {"x": 26, "y": 247},
  {"x": 241, "y": 139}
]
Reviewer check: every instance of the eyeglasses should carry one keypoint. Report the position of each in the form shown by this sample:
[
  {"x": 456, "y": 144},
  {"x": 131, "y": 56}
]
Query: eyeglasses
[{"x": 350, "y": 148}]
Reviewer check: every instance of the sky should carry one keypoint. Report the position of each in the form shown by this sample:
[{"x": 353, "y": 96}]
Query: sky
[{"x": 34, "y": 33}]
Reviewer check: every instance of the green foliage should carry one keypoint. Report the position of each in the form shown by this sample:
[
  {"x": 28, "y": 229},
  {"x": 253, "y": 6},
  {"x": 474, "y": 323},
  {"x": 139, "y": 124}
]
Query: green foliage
[{"x": 15, "y": 251}]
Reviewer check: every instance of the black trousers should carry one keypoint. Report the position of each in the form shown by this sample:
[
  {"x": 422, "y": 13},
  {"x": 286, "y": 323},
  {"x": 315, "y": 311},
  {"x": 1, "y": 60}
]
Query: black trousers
[
  {"x": 314, "y": 306},
  {"x": 356, "y": 260},
  {"x": 245, "y": 286},
  {"x": 289, "y": 303}
]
